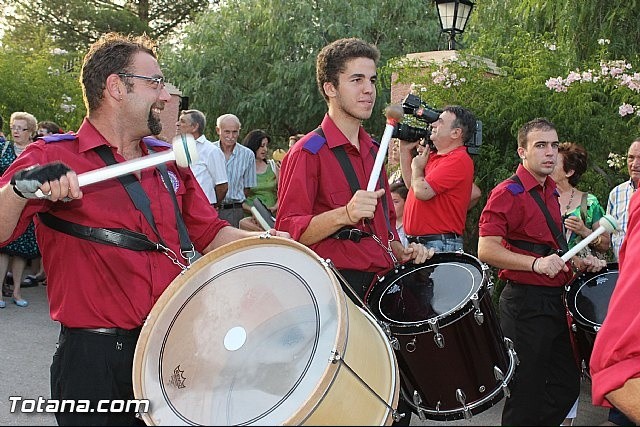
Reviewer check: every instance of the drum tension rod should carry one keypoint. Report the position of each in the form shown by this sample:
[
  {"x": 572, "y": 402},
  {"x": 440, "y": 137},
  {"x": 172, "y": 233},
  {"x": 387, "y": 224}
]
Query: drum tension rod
[
  {"x": 478, "y": 315},
  {"x": 337, "y": 358}
]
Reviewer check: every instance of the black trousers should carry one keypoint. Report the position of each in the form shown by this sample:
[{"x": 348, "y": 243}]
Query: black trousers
[
  {"x": 547, "y": 380},
  {"x": 90, "y": 366}
]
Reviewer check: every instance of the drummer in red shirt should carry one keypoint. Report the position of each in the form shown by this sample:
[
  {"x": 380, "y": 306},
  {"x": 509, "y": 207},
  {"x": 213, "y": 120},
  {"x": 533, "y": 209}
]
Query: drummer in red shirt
[
  {"x": 516, "y": 238},
  {"x": 356, "y": 230},
  {"x": 103, "y": 267}
]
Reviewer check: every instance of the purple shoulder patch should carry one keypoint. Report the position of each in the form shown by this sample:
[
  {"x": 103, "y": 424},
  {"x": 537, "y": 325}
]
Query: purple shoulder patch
[
  {"x": 56, "y": 137},
  {"x": 153, "y": 142},
  {"x": 314, "y": 143},
  {"x": 515, "y": 188}
]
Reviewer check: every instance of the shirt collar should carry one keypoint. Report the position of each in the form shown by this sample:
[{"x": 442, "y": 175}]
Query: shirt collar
[
  {"x": 89, "y": 138},
  {"x": 335, "y": 137},
  {"x": 529, "y": 181}
]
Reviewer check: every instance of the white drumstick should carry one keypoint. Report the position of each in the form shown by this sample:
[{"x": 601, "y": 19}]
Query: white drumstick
[
  {"x": 394, "y": 114},
  {"x": 260, "y": 219},
  {"x": 607, "y": 223},
  {"x": 184, "y": 153}
]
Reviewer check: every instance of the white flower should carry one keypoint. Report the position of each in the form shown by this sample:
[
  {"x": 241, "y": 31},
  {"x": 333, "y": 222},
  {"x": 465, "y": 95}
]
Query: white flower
[
  {"x": 625, "y": 109},
  {"x": 602, "y": 42}
]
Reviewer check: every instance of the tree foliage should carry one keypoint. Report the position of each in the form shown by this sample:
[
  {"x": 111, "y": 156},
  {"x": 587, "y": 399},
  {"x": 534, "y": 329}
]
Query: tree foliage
[
  {"x": 256, "y": 58},
  {"x": 578, "y": 24},
  {"x": 74, "y": 24},
  {"x": 41, "y": 81}
]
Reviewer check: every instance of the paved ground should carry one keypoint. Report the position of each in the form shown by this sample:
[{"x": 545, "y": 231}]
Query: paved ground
[{"x": 27, "y": 342}]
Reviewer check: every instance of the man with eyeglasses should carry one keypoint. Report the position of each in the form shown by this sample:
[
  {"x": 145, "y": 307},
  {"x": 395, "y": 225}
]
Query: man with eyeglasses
[
  {"x": 440, "y": 182},
  {"x": 101, "y": 286}
]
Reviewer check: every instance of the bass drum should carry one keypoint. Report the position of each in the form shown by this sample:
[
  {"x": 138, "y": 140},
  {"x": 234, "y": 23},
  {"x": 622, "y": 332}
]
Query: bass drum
[
  {"x": 452, "y": 355},
  {"x": 587, "y": 300},
  {"x": 259, "y": 332}
]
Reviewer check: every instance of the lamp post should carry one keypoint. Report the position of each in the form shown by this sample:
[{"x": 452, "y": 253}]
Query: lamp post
[{"x": 453, "y": 15}]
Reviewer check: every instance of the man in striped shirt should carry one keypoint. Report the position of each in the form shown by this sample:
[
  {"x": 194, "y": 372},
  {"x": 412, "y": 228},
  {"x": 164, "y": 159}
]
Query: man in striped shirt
[
  {"x": 241, "y": 168},
  {"x": 619, "y": 197}
]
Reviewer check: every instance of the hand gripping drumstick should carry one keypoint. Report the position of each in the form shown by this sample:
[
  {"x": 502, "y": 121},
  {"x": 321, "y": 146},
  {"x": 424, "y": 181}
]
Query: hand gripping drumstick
[
  {"x": 607, "y": 223},
  {"x": 184, "y": 153},
  {"x": 394, "y": 114}
]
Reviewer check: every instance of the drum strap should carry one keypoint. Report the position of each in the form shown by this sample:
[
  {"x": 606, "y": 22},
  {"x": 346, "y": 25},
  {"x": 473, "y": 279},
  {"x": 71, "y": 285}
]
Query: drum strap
[
  {"x": 124, "y": 238},
  {"x": 352, "y": 179},
  {"x": 557, "y": 234}
]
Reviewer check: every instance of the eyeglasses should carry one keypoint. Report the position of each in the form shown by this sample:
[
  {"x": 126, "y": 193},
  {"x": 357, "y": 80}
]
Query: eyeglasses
[
  {"x": 158, "y": 82},
  {"x": 18, "y": 129}
]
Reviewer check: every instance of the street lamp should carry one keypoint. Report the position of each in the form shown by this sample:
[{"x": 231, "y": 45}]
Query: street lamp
[{"x": 453, "y": 15}]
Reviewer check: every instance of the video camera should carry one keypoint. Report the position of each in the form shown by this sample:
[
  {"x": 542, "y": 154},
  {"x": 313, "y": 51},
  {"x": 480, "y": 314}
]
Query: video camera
[{"x": 412, "y": 105}]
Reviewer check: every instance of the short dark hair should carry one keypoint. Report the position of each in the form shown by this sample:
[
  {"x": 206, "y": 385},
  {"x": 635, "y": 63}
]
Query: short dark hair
[
  {"x": 539, "y": 123},
  {"x": 399, "y": 188},
  {"x": 253, "y": 140},
  {"x": 113, "y": 53},
  {"x": 51, "y": 127},
  {"x": 464, "y": 120},
  {"x": 575, "y": 158},
  {"x": 333, "y": 57}
]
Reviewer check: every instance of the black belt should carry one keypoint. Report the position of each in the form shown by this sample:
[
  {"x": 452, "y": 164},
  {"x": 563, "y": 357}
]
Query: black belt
[
  {"x": 105, "y": 331},
  {"x": 432, "y": 237},
  {"x": 230, "y": 205},
  {"x": 353, "y": 234}
]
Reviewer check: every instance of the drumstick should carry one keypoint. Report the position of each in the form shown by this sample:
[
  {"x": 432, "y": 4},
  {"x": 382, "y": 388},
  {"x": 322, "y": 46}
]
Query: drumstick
[
  {"x": 260, "y": 219},
  {"x": 607, "y": 223},
  {"x": 394, "y": 114},
  {"x": 184, "y": 153}
]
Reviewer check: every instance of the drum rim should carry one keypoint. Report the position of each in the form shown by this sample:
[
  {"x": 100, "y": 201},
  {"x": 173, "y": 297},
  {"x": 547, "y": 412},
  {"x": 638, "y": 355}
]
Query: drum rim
[
  {"x": 573, "y": 292},
  {"x": 441, "y": 318},
  {"x": 327, "y": 377}
]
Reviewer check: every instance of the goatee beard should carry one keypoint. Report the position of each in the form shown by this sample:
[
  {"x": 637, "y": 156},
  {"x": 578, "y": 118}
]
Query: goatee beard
[{"x": 154, "y": 123}]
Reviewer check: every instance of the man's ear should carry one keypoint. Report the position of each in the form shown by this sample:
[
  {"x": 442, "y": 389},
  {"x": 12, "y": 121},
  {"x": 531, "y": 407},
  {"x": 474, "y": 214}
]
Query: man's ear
[
  {"x": 115, "y": 87},
  {"x": 521, "y": 153},
  {"x": 329, "y": 89}
]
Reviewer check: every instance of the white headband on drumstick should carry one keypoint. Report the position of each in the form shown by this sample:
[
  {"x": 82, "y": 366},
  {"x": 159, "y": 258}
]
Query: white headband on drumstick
[
  {"x": 394, "y": 114},
  {"x": 607, "y": 223},
  {"x": 184, "y": 153}
]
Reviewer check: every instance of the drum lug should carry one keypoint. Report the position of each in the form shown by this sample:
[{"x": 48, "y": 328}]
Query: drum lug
[
  {"x": 462, "y": 398},
  {"x": 417, "y": 401},
  {"x": 509, "y": 344},
  {"x": 567, "y": 288},
  {"x": 478, "y": 315},
  {"x": 596, "y": 328},
  {"x": 438, "y": 338},
  {"x": 498, "y": 374},
  {"x": 574, "y": 328}
]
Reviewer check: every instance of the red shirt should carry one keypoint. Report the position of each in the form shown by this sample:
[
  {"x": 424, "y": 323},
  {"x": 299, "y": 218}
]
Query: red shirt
[
  {"x": 94, "y": 285},
  {"x": 512, "y": 213},
  {"x": 616, "y": 352},
  {"x": 450, "y": 175},
  {"x": 312, "y": 182}
]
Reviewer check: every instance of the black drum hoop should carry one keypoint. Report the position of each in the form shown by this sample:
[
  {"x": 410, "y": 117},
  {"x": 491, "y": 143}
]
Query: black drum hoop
[
  {"x": 463, "y": 308},
  {"x": 574, "y": 289}
]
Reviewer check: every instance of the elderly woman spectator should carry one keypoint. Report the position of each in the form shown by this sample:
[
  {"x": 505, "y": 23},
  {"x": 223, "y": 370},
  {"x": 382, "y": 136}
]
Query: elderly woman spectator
[{"x": 24, "y": 248}]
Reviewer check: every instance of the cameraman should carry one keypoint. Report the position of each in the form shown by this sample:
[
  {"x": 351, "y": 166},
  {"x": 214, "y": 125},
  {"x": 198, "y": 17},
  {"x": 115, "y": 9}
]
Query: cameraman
[{"x": 440, "y": 182}]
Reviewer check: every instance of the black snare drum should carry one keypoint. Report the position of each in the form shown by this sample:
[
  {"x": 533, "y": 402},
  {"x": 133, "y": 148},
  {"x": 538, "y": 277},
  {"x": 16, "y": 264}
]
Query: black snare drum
[{"x": 587, "y": 300}]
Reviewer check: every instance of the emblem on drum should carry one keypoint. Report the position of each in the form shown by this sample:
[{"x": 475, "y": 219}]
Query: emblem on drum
[{"x": 177, "y": 379}]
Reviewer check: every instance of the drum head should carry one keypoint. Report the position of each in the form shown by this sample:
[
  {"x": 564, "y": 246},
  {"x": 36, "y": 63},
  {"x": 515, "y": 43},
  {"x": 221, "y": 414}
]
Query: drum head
[
  {"x": 429, "y": 291},
  {"x": 242, "y": 337},
  {"x": 589, "y": 295}
]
